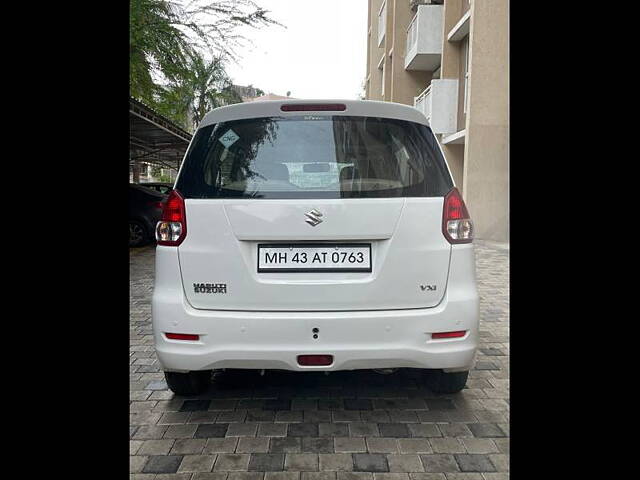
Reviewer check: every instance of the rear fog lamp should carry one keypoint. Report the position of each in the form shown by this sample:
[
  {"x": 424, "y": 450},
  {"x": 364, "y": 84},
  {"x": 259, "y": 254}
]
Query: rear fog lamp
[{"x": 315, "y": 360}]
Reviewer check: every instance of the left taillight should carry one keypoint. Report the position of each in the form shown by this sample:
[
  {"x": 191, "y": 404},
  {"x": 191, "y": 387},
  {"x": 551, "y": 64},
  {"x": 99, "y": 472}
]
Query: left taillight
[
  {"x": 457, "y": 226},
  {"x": 171, "y": 230}
]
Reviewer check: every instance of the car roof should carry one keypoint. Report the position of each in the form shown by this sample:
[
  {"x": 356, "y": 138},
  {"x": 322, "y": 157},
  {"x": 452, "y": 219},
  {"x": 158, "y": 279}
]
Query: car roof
[
  {"x": 271, "y": 108},
  {"x": 141, "y": 188}
]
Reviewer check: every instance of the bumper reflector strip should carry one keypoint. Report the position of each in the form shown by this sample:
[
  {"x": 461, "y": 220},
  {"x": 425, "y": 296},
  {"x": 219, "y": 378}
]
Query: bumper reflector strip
[
  {"x": 182, "y": 336},
  {"x": 460, "y": 333}
]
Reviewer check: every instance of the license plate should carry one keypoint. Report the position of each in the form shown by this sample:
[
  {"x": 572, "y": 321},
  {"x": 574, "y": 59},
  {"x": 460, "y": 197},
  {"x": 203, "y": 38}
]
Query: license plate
[{"x": 334, "y": 257}]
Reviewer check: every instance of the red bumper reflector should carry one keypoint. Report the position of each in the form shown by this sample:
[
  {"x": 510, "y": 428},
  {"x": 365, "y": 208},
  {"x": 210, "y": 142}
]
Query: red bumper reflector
[
  {"x": 314, "y": 107},
  {"x": 460, "y": 333},
  {"x": 182, "y": 336},
  {"x": 315, "y": 360}
]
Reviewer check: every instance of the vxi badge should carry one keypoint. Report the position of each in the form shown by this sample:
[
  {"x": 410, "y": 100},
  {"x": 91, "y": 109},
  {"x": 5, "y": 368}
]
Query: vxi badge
[{"x": 210, "y": 287}]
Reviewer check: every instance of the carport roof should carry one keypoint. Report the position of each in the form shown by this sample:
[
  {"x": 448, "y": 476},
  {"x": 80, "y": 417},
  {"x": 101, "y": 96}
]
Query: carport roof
[{"x": 154, "y": 138}]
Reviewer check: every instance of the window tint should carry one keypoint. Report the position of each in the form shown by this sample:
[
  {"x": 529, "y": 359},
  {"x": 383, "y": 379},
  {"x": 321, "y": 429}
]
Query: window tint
[{"x": 314, "y": 157}]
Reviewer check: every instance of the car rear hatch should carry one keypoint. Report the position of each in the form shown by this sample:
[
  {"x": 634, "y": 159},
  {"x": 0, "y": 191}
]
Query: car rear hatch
[{"x": 266, "y": 197}]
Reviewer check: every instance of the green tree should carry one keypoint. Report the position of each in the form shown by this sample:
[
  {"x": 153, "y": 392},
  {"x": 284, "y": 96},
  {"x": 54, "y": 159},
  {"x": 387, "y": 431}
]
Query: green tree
[
  {"x": 164, "y": 34},
  {"x": 204, "y": 86}
]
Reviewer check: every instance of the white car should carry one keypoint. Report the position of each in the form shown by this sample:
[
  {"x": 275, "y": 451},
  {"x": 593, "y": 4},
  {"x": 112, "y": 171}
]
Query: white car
[{"x": 315, "y": 236}]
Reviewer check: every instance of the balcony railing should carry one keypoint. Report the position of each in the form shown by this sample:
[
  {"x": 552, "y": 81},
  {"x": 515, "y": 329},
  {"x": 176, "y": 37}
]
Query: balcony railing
[
  {"x": 439, "y": 103},
  {"x": 423, "y": 102},
  {"x": 424, "y": 39}
]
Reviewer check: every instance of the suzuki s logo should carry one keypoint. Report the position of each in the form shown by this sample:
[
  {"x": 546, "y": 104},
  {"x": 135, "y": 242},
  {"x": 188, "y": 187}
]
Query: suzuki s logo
[{"x": 314, "y": 217}]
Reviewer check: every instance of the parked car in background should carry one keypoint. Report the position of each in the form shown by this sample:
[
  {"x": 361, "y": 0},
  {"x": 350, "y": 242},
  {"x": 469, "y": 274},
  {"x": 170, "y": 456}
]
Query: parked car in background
[
  {"x": 145, "y": 210},
  {"x": 160, "y": 187},
  {"x": 315, "y": 236}
]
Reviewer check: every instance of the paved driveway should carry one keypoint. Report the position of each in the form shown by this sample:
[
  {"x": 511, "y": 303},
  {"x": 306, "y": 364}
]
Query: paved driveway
[{"x": 342, "y": 426}]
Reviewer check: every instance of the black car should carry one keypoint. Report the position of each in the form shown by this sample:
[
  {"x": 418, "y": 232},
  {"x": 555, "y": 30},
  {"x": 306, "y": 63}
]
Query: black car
[
  {"x": 145, "y": 209},
  {"x": 161, "y": 187}
]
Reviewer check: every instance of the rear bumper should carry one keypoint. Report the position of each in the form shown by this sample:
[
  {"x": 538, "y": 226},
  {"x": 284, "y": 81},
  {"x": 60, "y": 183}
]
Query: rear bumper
[{"x": 356, "y": 339}]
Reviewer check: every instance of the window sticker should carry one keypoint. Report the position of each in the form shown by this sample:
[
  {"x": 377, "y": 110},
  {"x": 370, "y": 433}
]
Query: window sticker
[{"x": 229, "y": 138}]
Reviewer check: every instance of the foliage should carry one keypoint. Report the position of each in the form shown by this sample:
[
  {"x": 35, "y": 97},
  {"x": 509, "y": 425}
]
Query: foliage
[
  {"x": 167, "y": 38},
  {"x": 165, "y": 178},
  {"x": 156, "y": 44},
  {"x": 258, "y": 92},
  {"x": 204, "y": 86}
]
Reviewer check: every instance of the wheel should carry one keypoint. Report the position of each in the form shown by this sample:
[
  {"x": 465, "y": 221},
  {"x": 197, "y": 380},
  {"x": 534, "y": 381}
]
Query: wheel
[
  {"x": 190, "y": 383},
  {"x": 443, "y": 382},
  {"x": 137, "y": 234}
]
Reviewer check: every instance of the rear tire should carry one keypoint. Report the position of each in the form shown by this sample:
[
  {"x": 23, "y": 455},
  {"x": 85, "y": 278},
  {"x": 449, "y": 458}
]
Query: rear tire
[
  {"x": 443, "y": 382},
  {"x": 138, "y": 235},
  {"x": 190, "y": 383}
]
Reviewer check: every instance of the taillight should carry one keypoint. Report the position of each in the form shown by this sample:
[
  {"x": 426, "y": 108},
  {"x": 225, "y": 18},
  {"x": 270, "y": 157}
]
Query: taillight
[
  {"x": 172, "y": 227},
  {"x": 457, "y": 226},
  {"x": 313, "y": 107}
]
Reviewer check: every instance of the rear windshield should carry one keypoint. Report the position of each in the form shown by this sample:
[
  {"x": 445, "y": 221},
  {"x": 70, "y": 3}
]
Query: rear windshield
[{"x": 314, "y": 157}]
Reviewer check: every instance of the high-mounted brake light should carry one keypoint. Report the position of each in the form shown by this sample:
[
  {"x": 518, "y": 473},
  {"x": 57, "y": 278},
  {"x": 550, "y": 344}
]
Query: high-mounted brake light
[
  {"x": 457, "y": 334},
  {"x": 182, "y": 336},
  {"x": 172, "y": 227},
  {"x": 457, "y": 226},
  {"x": 313, "y": 107}
]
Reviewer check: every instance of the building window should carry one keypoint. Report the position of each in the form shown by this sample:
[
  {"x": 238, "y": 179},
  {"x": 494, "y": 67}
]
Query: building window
[
  {"x": 382, "y": 22},
  {"x": 465, "y": 72},
  {"x": 381, "y": 67}
]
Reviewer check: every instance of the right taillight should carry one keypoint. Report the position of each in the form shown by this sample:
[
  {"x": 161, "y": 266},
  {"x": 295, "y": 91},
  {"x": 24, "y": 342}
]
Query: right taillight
[
  {"x": 457, "y": 226},
  {"x": 172, "y": 227}
]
